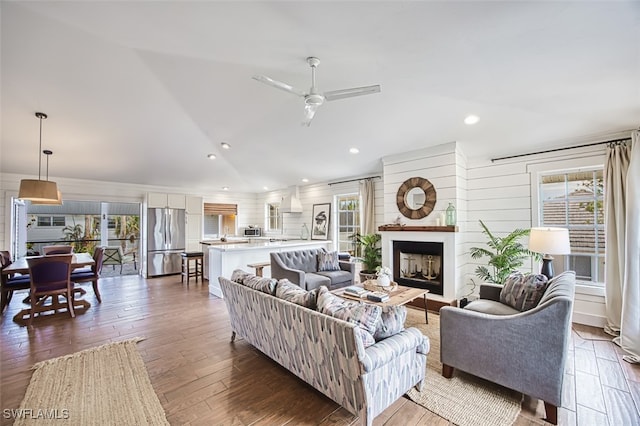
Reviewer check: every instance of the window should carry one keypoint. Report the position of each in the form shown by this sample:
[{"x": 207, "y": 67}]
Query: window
[
  {"x": 51, "y": 221},
  {"x": 274, "y": 219},
  {"x": 348, "y": 222},
  {"x": 575, "y": 200}
]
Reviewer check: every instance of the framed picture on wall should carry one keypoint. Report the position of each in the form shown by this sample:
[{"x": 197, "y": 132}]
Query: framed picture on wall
[{"x": 320, "y": 221}]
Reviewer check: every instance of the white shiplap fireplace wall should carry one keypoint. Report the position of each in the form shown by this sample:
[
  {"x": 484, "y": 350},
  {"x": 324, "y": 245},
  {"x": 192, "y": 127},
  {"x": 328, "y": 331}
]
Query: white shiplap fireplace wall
[{"x": 445, "y": 167}]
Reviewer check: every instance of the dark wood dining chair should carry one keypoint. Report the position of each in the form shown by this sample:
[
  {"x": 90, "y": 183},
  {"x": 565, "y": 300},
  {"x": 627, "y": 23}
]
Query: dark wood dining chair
[
  {"x": 59, "y": 249},
  {"x": 50, "y": 277},
  {"x": 10, "y": 282},
  {"x": 91, "y": 275}
]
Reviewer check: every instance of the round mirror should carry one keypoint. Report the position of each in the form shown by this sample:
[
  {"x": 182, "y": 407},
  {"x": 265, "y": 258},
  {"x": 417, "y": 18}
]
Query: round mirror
[{"x": 416, "y": 198}]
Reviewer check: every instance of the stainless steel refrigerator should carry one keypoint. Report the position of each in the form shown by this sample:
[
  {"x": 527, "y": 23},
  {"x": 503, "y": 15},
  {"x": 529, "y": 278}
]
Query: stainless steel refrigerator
[{"x": 165, "y": 241}]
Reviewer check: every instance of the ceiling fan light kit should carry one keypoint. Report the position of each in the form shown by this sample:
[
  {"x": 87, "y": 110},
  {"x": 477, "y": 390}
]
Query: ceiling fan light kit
[
  {"x": 313, "y": 99},
  {"x": 39, "y": 190}
]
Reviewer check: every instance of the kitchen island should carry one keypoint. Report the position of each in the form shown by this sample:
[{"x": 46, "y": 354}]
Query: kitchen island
[{"x": 224, "y": 259}]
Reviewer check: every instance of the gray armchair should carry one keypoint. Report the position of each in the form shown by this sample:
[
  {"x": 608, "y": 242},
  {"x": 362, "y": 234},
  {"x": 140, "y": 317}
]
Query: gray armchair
[
  {"x": 301, "y": 268},
  {"x": 524, "y": 351}
]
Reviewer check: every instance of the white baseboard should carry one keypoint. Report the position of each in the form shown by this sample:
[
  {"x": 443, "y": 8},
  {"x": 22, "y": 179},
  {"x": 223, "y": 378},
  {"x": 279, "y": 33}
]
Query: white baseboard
[{"x": 589, "y": 319}]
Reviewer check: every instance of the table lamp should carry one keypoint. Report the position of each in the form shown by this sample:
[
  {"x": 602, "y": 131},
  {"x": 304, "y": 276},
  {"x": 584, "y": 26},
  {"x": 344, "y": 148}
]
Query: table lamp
[{"x": 548, "y": 241}]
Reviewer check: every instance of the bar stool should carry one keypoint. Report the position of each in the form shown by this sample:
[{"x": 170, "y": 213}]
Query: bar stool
[
  {"x": 258, "y": 267},
  {"x": 187, "y": 271}
]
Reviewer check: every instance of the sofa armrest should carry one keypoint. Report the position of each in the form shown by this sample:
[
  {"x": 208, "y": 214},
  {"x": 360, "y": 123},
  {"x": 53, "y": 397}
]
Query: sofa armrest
[
  {"x": 279, "y": 271},
  {"x": 348, "y": 266},
  {"x": 490, "y": 291},
  {"x": 384, "y": 351}
]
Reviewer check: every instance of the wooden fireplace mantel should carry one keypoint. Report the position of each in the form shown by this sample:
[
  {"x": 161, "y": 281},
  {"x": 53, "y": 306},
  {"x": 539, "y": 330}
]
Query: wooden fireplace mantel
[{"x": 384, "y": 228}]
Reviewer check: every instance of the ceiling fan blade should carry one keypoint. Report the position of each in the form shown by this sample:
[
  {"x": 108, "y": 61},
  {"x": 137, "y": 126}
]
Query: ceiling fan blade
[
  {"x": 349, "y": 93},
  {"x": 309, "y": 112},
  {"x": 278, "y": 85}
]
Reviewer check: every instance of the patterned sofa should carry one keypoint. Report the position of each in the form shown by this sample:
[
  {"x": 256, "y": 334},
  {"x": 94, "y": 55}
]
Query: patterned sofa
[{"x": 327, "y": 352}]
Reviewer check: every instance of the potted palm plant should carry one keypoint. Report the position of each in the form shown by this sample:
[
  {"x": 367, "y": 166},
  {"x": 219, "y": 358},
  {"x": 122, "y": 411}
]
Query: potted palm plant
[
  {"x": 506, "y": 255},
  {"x": 371, "y": 255}
]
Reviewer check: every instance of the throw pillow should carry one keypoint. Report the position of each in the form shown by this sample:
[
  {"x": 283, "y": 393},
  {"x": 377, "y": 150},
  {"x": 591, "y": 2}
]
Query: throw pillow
[
  {"x": 328, "y": 261},
  {"x": 290, "y": 292},
  {"x": 391, "y": 322},
  {"x": 239, "y": 275},
  {"x": 523, "y": 292},
  {"x": 365, "y": 316},
  {"x": 263, "y": 284}
]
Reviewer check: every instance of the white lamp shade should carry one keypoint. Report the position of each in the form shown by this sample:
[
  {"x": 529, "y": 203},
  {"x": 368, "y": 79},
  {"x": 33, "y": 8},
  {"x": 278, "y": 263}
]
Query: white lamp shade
[{"x": 549, "y": 240}]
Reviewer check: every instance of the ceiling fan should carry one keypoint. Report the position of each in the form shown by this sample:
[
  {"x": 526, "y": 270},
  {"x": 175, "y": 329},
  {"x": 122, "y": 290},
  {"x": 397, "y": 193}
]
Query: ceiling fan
[{"x": 314, "y": 98}]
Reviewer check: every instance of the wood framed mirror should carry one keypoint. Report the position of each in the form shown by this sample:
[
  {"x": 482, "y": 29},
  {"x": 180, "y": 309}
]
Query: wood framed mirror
[{"x": 416, "y": 198}]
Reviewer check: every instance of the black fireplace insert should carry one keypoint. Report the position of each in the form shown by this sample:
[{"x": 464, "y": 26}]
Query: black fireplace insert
[{"x": 419, "y": 264}]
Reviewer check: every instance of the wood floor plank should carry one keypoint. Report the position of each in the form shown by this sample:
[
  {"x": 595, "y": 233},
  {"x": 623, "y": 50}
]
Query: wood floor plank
[
  {"x": 611, "y": 374},
  {"x": 585, "y": 361},
  {"x": 620, "y": 406},
  {"x": 587, "y": 417},
  {"x": 589, "y": 392}
]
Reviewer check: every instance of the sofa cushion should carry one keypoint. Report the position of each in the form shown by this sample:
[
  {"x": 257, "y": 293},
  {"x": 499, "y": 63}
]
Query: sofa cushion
[
  {"x": 239, "y": 275},
  {"x": 336, "y": 277},
  {"x": 491, "y": 307},
  {"x": 523, "y": 291},
  {"x": 290, "y": 292},
  {"x": 328, "y": 261},
  {"x": 363, "y": 315},
  {"x": 313, "y": 280},
  {"x": 263, "y": 284},
  {"x": 391, "y": 322}
]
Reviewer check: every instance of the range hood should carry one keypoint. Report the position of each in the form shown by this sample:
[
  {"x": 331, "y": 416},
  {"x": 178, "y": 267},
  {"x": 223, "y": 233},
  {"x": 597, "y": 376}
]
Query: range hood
[{"x": 290, "y": 202}]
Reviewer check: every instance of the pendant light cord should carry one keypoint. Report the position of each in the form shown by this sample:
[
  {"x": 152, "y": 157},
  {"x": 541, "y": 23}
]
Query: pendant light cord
[{"x": 40, "y": 151}]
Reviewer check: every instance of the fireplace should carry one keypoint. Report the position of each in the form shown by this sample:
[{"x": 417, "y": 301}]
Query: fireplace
[{"x": 419, "y": 264}]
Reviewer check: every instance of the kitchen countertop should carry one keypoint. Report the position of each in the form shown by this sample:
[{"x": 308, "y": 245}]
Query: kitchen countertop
[
  {"x": 220, "y": 243},
  {"x": 266, "y": 244}
]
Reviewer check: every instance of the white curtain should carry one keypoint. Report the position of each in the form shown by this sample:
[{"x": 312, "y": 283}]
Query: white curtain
[
  {"x": 367, "y": 208},
  {"x": 622, "y": 217}
]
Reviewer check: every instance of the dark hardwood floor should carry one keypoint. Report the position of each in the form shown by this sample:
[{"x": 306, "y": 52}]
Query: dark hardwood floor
[{"x": 202, "y": 378}]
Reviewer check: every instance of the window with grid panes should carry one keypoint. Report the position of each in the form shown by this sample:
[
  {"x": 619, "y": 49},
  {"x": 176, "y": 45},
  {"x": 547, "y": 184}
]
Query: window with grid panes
[
  {"x": 575, "y": 200},
  {"x": 348, "y": 222}
]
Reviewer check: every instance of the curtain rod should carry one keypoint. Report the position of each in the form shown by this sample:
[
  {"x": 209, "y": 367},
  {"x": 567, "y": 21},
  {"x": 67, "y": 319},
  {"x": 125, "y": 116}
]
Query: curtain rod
[
  {"x": 353, "y": 180},
  {"x": 561, "y": 149}
]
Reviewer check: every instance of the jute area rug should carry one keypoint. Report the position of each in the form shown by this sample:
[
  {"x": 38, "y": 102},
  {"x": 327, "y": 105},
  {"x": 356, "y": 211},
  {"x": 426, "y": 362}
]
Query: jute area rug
[
  {"x": 464, "y": 399},
  {"x": 106, "y": 385}
]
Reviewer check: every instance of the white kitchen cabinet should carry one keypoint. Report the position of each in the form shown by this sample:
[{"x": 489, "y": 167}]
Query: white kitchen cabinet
[
  {"x": 194, "y": 231},
  {"x": 176, "y": 201},
  {"x": 194, "y": 205},
  {"x": 160, "y": 200},
  {"x": 156, "y": 200}
]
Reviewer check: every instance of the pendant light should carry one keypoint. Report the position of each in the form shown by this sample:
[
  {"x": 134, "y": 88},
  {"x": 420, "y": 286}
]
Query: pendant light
[
  {"x": 57, "y": 202},
  {"x": 38, "y": 190}
]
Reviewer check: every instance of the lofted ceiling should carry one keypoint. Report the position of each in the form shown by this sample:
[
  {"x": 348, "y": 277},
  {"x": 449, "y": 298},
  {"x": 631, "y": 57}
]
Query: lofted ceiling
[{"x": 141, "y": 92}]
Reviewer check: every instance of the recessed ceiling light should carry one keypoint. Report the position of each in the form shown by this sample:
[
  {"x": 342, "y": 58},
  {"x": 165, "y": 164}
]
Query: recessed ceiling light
[
  {"x": 211, "y": 156},
  {"x": 225, "y": 145},
  {"x": 471, "y": 119},
  {"x": 354, "y": 150},
  {"x": 225, "y": 188},
  {"x": 305, "y": 180},
  {"x": 265, "y": 188}
]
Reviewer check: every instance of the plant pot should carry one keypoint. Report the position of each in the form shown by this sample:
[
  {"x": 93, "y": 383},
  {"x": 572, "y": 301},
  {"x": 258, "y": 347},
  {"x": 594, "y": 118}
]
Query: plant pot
[{"x": 364, "y": 276}]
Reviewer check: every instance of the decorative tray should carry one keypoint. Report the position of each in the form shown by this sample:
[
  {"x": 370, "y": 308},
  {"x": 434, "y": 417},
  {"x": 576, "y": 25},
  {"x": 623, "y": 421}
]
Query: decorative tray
[{"x": 372, "y": 285}]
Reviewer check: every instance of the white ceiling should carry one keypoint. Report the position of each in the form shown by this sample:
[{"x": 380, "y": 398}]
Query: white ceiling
[{"x": 141, "y": 91}]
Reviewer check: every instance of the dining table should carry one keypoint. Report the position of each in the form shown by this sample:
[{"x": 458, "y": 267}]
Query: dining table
[{"x": 20, "y": 266}]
